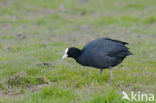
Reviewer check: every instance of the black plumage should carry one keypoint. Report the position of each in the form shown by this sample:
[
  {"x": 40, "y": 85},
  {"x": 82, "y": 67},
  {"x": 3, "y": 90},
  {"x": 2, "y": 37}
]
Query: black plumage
[{"x": 100, "y": 53}]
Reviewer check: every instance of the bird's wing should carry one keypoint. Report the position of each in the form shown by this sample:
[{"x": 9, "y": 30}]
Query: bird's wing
[
  {"x": 106, "y": 46},
  {"x": 98, "y": 58},
  {"x": 116, "y": 41},
  {"x": 104, "y": 42},
  {"x": 98, "y": 43}
]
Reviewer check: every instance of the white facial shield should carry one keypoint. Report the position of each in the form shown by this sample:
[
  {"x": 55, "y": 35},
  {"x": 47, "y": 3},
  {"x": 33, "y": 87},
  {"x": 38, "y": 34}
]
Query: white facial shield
[{"x": 65, "y": 54}]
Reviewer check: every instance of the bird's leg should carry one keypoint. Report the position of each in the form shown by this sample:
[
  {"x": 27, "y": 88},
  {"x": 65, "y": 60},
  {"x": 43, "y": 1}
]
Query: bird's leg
[
  {"x": 111, "y": 71},
  {"x": 101, "y": 71}
]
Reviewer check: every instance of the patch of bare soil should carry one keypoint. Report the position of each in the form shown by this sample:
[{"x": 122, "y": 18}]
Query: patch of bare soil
[
  {"x": 5, "y": 26},
  {"x": 44, "y": 64},
  {"x": 41, "y": 12},
  {"x": 21, "y": 92},
  {"x": 15, "y": 86},
  {"x": 20, "y": 36}
]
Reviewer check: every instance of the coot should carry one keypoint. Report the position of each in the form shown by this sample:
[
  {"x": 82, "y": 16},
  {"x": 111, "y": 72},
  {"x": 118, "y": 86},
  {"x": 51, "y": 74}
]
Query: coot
[{"x": 100, "y": 53}]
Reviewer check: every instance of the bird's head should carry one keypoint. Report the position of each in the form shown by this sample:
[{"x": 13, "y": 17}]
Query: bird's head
[{"x": 72, "y": 52}]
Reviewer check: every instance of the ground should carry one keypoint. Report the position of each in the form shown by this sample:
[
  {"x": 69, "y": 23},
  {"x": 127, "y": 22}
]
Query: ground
[{"x": 35, "y": 33}]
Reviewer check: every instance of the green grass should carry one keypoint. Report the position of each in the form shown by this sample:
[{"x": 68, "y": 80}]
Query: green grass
[{"x": 35, "y": 33}]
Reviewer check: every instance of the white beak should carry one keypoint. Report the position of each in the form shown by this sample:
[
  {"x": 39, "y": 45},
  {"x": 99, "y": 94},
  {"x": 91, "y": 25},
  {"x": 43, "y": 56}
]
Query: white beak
[{"x": 65, "y": 54}]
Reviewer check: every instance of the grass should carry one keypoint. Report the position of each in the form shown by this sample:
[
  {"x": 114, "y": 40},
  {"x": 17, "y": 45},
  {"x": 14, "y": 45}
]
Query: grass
[{"x": 35, "y": 33}]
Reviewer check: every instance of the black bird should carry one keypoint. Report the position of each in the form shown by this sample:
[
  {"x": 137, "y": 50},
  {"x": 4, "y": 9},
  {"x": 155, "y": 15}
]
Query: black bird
[{"x": 100, "y": 53}]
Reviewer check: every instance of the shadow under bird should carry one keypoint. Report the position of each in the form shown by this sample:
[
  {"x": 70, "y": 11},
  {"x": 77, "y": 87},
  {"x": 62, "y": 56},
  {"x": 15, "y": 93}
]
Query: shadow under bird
[{"x": 101, "y": 53}]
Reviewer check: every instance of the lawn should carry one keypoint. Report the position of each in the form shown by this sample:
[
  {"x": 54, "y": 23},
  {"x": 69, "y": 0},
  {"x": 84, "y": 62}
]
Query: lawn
[{"x": 35, "y": 33}]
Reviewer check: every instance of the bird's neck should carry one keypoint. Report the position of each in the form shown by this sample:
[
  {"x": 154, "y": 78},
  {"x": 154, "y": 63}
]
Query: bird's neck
[{"x": 77, "y": 53}]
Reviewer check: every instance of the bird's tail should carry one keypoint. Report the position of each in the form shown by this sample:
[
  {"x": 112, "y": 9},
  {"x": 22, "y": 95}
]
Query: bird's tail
[{"x": 129, "y": 53}]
